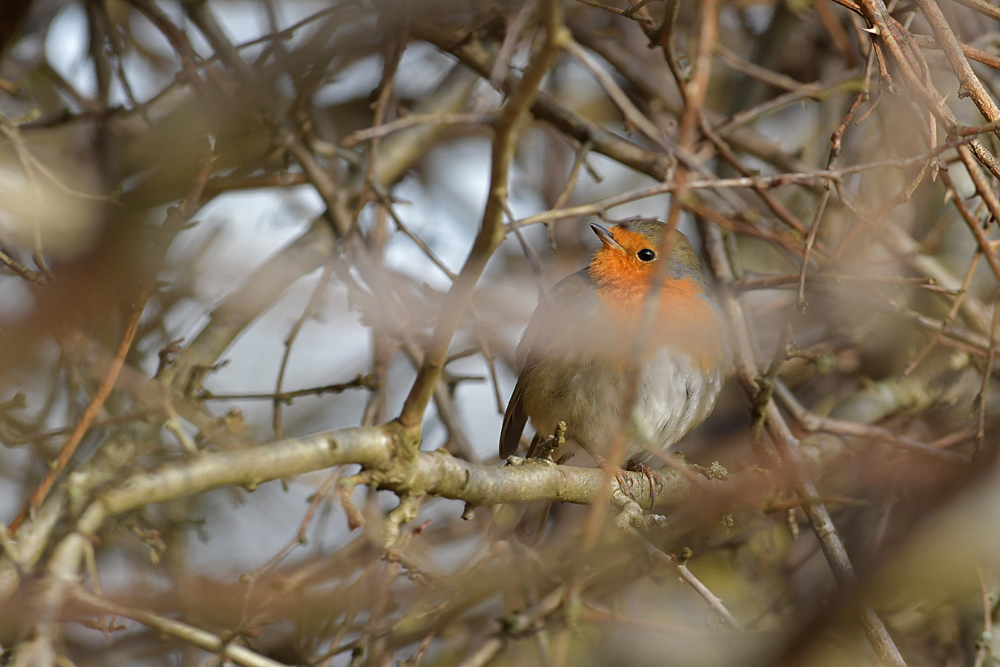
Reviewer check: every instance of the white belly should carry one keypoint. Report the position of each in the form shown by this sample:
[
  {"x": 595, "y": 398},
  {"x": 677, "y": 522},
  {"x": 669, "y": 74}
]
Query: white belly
[{"x": 673, "y": 397}]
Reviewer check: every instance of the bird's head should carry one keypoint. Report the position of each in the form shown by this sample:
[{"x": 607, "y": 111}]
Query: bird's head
[{"x": 630, "y": 252}]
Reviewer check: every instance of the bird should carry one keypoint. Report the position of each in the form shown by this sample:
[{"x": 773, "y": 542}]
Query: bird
[{"x": 573, "y": 359}]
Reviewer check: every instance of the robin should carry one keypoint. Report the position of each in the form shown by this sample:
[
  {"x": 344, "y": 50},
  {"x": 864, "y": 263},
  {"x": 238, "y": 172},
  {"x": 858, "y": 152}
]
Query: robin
[{"x": 574, "y": 356}]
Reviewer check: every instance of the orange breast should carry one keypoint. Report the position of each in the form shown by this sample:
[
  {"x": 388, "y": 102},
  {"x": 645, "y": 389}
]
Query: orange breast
[{"x": 685, "y": 321}]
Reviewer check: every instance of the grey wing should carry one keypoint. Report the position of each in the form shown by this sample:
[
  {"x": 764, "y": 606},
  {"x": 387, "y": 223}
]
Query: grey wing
[
  {"x": 554, "y": 328},
  {"x": 547, "y": 326}
]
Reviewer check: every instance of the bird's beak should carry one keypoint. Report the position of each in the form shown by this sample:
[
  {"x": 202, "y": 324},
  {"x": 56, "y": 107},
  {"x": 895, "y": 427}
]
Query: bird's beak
[{"x": 606, "y": 238}]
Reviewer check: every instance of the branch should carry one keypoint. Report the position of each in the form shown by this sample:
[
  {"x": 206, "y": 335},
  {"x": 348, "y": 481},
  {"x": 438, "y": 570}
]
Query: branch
[
  {"x": 491, "y": 232},
  {"x": 788, "y": 448},
  {"x": 982, "y": 7},
  {"x": 546, "y": 109},
  {"x": 893, "y": 36},
  {"x": 301, "y": 257},
  {"x": 188, "y": 633}
]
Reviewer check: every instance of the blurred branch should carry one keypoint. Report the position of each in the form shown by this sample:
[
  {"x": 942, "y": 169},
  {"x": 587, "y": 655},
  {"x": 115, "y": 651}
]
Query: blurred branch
[
  {"x": 713, "y": 600},
  {"x": 400, "y": 150},
  {"x": 628, "y": 13},
  {"x": 414, "y": 119},
  {"x": 38, "y": 495},
  {"x": 983, "y": 7},
  {"x": 378, "y": 451},
  {"x": 787, "y": 447},
  {"x": 327, "y": 100},
  {"x": 268, "y": 282},
  {"x": 286, "y": 133},
  {"x": 314, "y": 247},
  {"x": 173, "y": 628},
  {"x": 903, "y": 245},
  {"x": 477, "y": 56},
  {"x": 491, "y": 232},
  {"x": 817, "y": 423}
]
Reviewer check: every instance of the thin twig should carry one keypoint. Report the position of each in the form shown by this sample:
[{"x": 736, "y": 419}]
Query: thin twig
[
  {"x": 385, "y": 129},
  {"x": 956, "y": 304},
  {"x": 787, "y": 446},
  {"x": 362, "y": 381},
  {"x": 713, "y": 601},
  {"x": 309, "y": 311},
  {"x": 491, "y": 231},
  {"x": 187, "y": 633},
  {"x": 987, "y": 373},
  {"x": 628, "y": 13},
  {"x": 90, "y": 414}
]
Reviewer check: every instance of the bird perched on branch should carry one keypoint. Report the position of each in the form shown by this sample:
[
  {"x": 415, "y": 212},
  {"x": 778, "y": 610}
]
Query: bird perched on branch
[{"x": 576, "y": 354}]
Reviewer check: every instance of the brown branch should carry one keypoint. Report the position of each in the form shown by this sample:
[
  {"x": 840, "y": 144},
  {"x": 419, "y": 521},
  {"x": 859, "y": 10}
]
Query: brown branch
[
  {"x": 792, "y": 279},
  {"x": 892, "y": 35},
  {"x": 103, "y": 391},
  {"x": 174, "y": 628},
  {"x": 547, "y": 109},
  {"x": 813, "y": 422},
  {"x": 385, "y": 129},
  {"x": 970, "y": 52},
  {"x": 969, "y": 83},
  {"x": 173, "y": 221},
  {"x": 782, "y": 81},
  {"x": 981, "y": 6},
  {"x": 491, "y": 232},
  {"x": 362, "y": 381},
  {"x": 722, "y": 184},
  {"x": 279, "y": 397},
  {"x": 620, "y": 12},
  {"x": 787, "y": 446}
]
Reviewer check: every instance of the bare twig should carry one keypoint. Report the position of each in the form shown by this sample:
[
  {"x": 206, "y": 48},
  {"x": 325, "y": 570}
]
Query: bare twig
[
  {"x": 491, "y": 231},
  {"x": 786, "y": 445},
  {"x": 187, "y": 633}
]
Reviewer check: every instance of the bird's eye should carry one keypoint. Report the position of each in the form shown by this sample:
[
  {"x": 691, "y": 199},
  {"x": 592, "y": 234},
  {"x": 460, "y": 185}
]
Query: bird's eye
[{"x": 647, "y": 255}]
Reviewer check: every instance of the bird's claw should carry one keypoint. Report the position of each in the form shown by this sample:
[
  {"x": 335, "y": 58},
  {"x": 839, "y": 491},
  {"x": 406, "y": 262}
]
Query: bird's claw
[
  {"x": 625, "y": 483},
  {"x": 654, "y": 479}
]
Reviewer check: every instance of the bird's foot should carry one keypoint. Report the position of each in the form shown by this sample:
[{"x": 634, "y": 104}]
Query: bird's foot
[
  {"x": 625, "y": 483},
  {"x": 651, "y": 475}
]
